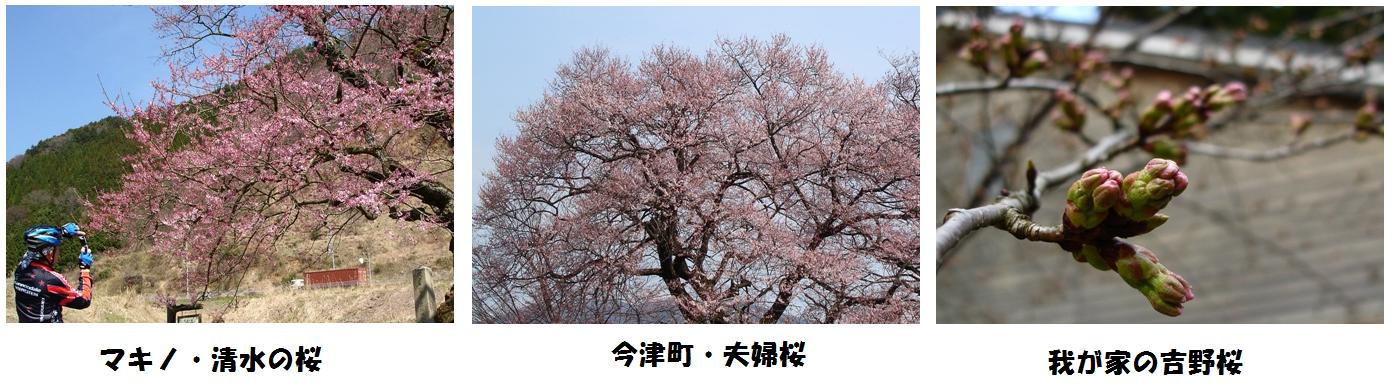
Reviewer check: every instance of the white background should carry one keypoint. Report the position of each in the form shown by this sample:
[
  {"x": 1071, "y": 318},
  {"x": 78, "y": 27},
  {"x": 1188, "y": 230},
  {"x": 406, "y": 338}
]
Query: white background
[{"x": 466, "y": 356}]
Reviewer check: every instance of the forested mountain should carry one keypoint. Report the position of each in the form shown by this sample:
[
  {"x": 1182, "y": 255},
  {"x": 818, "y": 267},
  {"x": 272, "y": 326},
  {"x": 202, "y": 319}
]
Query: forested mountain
[{"x": 46, "y": 185}]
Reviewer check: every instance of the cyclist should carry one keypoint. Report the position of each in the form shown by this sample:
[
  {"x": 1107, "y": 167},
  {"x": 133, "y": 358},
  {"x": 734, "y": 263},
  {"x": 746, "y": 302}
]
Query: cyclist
[{"x": 40, "y": 292}]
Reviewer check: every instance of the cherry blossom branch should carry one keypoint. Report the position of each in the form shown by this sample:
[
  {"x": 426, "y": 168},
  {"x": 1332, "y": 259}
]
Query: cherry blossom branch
[
  {"x": 1103, "y": 208},
  {"x": 1035, "y": 84},
  {"x": 1289, "y": 35},
  {"x": 961, "y": 222},
  {"x": 1031, "y": 84},
  {"x": 1265, "y": 155},
  {"x": 1022, "y": 226},
  {"x": 1036, "y": 116},
  {"x": 1155, "y": 121}
]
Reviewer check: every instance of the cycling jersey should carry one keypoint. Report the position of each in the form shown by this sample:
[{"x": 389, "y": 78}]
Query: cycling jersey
[{"x": 41, "y": 293}]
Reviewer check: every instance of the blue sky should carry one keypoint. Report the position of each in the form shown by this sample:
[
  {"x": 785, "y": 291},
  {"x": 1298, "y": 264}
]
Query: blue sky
[
  {"x": 1077, "y": 14},
  {"x": 54, "y": 56},
  {"x": 516, "y": 50}
]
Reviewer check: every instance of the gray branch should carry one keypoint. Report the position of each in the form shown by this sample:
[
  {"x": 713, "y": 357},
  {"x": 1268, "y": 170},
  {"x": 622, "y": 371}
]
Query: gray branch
[
  {"x": 1265, "y": 155},
  {"x": 960, "y": 222}
]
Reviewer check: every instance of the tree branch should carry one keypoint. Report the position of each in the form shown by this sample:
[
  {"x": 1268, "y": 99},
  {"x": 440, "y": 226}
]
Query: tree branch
[
  {"x": 1033, "y": 84},
  {"x": 1266, "y": 155},
  {"x": 960, "y": 222},
  {"x": 1155, "y": 26}
]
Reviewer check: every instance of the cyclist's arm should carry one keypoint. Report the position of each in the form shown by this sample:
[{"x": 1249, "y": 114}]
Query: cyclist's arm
[{"x": 75, "y": 298}]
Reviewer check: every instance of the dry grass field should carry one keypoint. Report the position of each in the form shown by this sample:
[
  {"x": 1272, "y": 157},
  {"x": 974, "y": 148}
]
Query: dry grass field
[{"x": 127, "y": 281}]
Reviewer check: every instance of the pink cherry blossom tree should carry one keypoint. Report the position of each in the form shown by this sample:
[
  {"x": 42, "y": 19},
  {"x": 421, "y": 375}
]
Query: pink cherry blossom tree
[
  {"x": 291, "y": 119},
  {"x": 752, "y": 183}
]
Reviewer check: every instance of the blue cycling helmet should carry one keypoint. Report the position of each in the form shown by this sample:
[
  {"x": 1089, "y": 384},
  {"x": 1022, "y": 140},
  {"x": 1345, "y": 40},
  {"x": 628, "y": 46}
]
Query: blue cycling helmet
[{"x": 39, "y": 238}]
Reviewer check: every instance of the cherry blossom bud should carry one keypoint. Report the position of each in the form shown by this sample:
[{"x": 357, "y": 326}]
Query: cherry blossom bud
[
  {"x": 977, "y": 52},
  {"x": 1167, "y": 148},
  {"x": 1066, "y": 123},
  {"x": 1124, "y": 100},
  {"x": 1227, "y": 96},
  {"x": 1185, "y": 123},
  {"x": 1236, "y": 90},
  {"x": 1151, "y": 223},
  {"x": 1186, "y": 105},
  {"x": 1075, "y": 53},
  {"x": 1088, "y": 63},
  {"x": 1037, "y": 60},
  {"x": 1152, "y": 118},
  {"x": 1017, "y": 32},
  {"x": 1194, "y": 95},
  {"x": 1092, "y": 197},
  {"x": 1071, "y": 115},
  {"x": 1361, "y": 55},
  {"x": 1365, "y": 118},
  {"x": 1162, "y": 101},
  {"x": 1299, "y": 123},
  {"x": 977, "y": 29},
  {"x": 1141, "y": 269},
  {"x": 1147, "y": 191},
  {"x": 1212, "y": 90},
  {"x": 1092, "y": 255},
  {"x": 1122, "y": 80},
  {"x": 1008, "y": 52},
  {"x": 1365, "y": 122}
]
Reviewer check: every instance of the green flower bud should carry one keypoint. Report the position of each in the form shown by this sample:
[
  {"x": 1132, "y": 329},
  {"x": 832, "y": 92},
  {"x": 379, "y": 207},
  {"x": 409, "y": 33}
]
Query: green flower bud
[
  {"x": 1064, "y": 122},
  {"x": 1185, "y": 114},
  {"x": 1150, "y": 119},
  {"x": 1154, "y": 221},
  {"x": 977, "y": 52},
  {"x": 1220, "y": 98},
  {"x": 1162, "y": 101},
  {"x": 1167, "y": 148},
  {"x": 1365, "y": 121},
  {"x": 1017, "y": 34},
  {"x": 1141, "y": 269},
  {"x": 1071, "y": 116},
  {"x": 977, "y": 29},
  {"x": 1008, "y": 52},
  {"x": 1075, "y": 53},
  {"x": 1088, "y": 63},
  {"x": 1147, "y": 191},
  {"x": 1092, "y": 197},
  {"x": 1038, "y": 59},
  {"x": 1092, "y": 255},
  {"x": 1211, "y": 90},
  {"x": 1125, "y": 228}
]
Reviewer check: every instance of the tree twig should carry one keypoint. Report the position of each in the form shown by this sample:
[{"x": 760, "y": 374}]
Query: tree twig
[
  {"x": 960, "y": 222},
  {"x": 1155, "y": 26},
  {"x": 1265, "y": 155},
  {"x": 1034, "y": 84}
]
